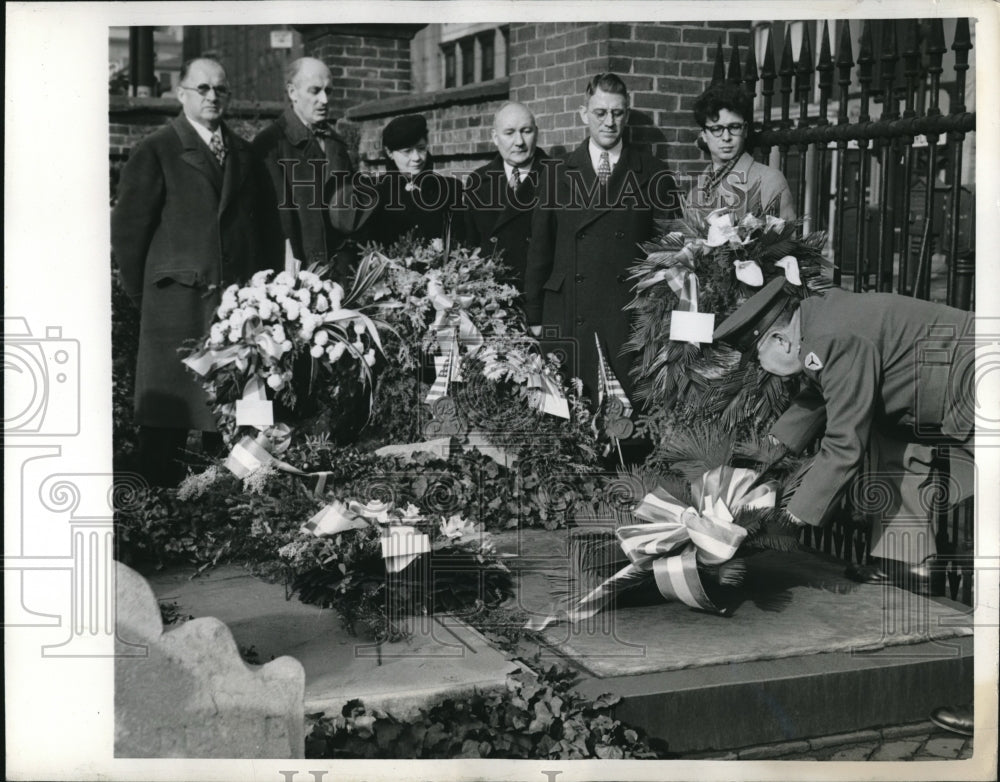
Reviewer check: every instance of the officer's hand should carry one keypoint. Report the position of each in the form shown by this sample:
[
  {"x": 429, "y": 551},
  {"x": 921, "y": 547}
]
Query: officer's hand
[{"x": 775, "y": 442}]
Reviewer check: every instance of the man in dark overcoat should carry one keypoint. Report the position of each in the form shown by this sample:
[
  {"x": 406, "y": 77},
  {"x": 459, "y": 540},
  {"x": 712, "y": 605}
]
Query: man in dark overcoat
[
  {"x": 880, "y": 370},
  {"x": 594, "y": 209},
  {"x": 192, "y": 217},
  {"x": 500, "y": 196},
  {"x": 309, "y": 168}
]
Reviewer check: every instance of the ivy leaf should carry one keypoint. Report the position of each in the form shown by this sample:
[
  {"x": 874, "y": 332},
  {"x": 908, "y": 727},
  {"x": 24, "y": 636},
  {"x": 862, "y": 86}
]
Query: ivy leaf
[
  {"x": 606, "y": 700},
  {"x": 606, "y": 752}
]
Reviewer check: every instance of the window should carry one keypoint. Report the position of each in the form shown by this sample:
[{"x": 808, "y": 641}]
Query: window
[
  {"x": 467, "y": 48},
  {"x": 488, "y": 55},
  {"x": 448, "y": 51},
  {"x": 452, "y": 55}
]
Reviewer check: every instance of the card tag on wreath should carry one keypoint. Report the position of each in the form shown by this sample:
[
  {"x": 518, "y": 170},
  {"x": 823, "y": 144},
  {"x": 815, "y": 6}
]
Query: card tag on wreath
[
  {"x": 254, "y": 409},
  {"x": 401, "y": 546},
  {"x": 691, "y": 326}
]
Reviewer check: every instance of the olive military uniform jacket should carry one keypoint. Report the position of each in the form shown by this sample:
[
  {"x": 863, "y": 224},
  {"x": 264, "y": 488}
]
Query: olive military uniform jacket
[
  {"x": 305, "y": 181},
  {"x": 183, "y": 229},
  {"x": 734, "y": 192},
  {"x": 497, "y": 218},
  {"x": 874, "y": 360},
  {"x": 582, "y": 245}
]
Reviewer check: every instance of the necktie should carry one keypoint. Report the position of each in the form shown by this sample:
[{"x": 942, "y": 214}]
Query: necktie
[
  {"x": 604, "y": 169},
  {"x": 515, "y": 178},
  {"x": 218, "y": 149}
]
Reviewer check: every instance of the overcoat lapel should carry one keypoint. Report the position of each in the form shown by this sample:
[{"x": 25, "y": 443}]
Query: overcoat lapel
[
  {"x": 196, "y": 153},
  {"x": 235, "y": 171}
]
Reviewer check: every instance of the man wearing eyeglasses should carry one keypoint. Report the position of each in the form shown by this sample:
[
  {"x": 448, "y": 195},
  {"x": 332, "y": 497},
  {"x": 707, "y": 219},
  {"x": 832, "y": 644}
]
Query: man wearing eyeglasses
[
  {"x": 309, "y": 166},
  {"x": 594, "y": 209},
  {"x": 193, "y": 215}
]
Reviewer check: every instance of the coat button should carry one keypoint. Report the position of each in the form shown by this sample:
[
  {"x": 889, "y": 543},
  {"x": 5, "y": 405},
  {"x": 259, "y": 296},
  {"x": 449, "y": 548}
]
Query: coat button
[
  {"x": 493, "y": 239},
  {"x": 579, "y": 321},
  {"x": 581, "y": 236},
  {"x": 619, "y": 234},
  {"x": 580, "y": 278}
]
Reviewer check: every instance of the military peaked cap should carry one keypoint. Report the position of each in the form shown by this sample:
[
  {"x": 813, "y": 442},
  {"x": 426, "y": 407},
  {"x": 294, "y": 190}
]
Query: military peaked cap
[{"x": 754, "y": 317}]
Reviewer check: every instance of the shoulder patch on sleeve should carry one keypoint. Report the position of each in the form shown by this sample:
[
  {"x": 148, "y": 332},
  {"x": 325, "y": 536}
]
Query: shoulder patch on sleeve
[{"x": 812, "y": 362}]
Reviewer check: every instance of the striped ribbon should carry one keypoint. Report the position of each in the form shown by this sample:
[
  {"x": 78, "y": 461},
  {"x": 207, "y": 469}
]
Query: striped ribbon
[
  {"x": 676, "y": 538},
  {"x": 446, "y": 371}
]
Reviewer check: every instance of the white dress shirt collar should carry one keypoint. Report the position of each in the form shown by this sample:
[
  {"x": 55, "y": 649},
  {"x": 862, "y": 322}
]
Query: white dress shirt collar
[{"x": 204, "y": 133}]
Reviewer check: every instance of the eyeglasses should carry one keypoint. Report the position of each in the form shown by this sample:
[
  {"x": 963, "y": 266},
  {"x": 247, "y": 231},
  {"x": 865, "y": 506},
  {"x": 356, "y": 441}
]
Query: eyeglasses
[
  {"x": 734, "y": 128},
  {"x": 203, "y": 89}
]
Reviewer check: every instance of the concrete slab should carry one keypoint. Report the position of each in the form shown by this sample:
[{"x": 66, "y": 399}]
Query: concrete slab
[
  {"x": 444, "y": 657},
  {"x": 813, "y": 655}
]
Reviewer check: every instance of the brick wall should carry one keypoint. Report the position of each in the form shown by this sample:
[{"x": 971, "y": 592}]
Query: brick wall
[
  {"x": 368, "y": 62},
  {"x": 666, "y": 65},
  {"x": 130, "y": 119},
  {"x": 459, "y": 123}
]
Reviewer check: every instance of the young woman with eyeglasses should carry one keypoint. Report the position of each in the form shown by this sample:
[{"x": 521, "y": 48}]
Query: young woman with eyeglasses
[{"x": 724, "y": 112}]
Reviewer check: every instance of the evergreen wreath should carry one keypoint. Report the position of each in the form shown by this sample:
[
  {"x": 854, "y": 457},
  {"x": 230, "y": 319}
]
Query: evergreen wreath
[{"x": 689, "y": 381}]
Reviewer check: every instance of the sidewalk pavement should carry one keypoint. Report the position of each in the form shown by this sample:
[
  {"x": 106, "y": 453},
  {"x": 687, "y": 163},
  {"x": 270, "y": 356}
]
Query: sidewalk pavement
[{"x": 916, "y": 741}]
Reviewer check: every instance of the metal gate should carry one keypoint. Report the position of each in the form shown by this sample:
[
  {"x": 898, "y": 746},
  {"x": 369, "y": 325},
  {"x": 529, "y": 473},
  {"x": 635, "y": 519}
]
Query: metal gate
[{"x": 874, "y": 158}]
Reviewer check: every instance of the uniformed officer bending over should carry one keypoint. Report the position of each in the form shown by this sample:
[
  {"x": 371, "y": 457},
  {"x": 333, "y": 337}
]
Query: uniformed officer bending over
[{"x": 883, "y": 370}]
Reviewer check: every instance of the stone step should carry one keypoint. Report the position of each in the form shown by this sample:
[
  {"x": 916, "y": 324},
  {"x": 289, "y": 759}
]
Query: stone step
[{"x": 443, "y": 658}]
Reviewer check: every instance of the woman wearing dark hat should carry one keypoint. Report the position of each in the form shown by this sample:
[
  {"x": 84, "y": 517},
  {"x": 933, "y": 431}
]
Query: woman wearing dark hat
[
  {"x": 411, "y": 197},
  {"x": 724, "y": 112}
]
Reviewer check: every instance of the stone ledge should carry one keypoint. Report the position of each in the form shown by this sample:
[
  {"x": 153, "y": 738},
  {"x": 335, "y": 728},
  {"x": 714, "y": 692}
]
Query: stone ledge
[
  {"x": 125, "y": 105},
  {"x": 406, "y": 104}
]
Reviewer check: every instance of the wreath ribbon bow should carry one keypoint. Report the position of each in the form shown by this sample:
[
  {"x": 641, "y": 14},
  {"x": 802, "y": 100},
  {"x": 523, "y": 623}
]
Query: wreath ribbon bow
[
  {"x": 676, "y": 538},
  {"x": 401, "y": 543},
  {"x": 255, "y": 334}
]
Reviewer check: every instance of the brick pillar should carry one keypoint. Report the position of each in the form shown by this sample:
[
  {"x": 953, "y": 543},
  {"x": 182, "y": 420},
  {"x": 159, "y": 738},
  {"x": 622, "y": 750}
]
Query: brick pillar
[
  {"x": 666, "y": 65},
  {"x": 368, "y": 62}
]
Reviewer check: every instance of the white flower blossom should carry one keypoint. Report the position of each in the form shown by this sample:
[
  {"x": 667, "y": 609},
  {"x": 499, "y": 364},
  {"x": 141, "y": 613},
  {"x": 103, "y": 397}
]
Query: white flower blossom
[
  {"x": 322, "y": 303},
  {"x": 304, "y": 296},
  {"x": 336, "y": 295},
  {"x": 275, "y": 381},
  {"x": 260, "y": 278},
  {"x": 284, "y": 278},
  {"x": 321, "y": 337},
  {"x": 291, "y": 309},
  {"x": 370, "y": 357},
  {"x": 286, "y": 345},
  {"x": 336, "y": 351},
  {"x": 316, "y": 351},
  {"x": 359, "y": 327},
  {"x": 437, "y": 245}
]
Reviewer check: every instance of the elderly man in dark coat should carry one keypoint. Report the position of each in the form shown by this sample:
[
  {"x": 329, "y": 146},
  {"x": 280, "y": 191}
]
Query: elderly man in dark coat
[
  {"x": 192, "y": 216},
  {"x": 500, "y": 196},
  {"x": 879, "y": 370},
  {"x": 309, "y": 166},
  {"x": 594, "y": 209}
]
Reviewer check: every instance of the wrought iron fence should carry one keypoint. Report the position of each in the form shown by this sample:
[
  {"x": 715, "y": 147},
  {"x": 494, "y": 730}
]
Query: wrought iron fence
[{"x": 875, "y": 161}]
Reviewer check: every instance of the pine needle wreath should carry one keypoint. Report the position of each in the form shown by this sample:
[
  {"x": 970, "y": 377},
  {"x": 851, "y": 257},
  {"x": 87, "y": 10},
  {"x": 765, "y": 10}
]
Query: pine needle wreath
[{"x": 712, "y": 381}]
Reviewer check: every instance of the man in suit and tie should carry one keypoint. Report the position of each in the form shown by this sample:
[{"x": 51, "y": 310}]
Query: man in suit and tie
[
  {"x": 594, "y": 209},
  {"x": 192, "y": 216},
  {"x": 310, "y": 168},
  {"x": 501, "y": 194}
]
